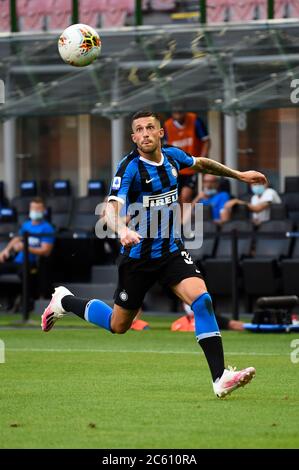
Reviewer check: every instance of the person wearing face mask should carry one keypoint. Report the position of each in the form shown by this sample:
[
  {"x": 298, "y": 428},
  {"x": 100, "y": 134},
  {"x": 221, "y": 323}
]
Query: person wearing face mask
[
  {"x": 210, "y": 195},
  {"x": 11, "y": 258},
  {"x": 259, "y": 205}
]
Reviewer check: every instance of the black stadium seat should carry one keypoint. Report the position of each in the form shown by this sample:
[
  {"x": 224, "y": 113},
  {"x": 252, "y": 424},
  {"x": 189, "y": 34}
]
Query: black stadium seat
[
  {"x": 96, "y": 188},
  {"x": 224, "y": 185},
  {"x": 28, "y": 190},
  {"x": 276, "y": 226},
  {"x": 61, "y": 188},
  {"x": 291, "y": 184},
  {"x": 291, "y": 197},
  {"x": 8, "y": 219},
  {"x": 262, "y": 274},
  {"x": 3, "y": 200},
  {"x": 239, "y": 225},
  {"x": 60, "y": 204},
  {"x": 291, "y": 200},
  {"x": 290, "y": 271},
  {"x": 218, "y": 270},
  {"x": 83, "y": 216},
  {"x": 61, "y": 207},
  {"x": 207, "y": 248},
  {"x": 278, "y": 212}
]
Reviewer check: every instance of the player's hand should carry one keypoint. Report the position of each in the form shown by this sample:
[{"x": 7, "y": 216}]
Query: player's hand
[
  {"x": 4, "y": 255},
  {"x": 18, "y": 246},
  {"x": 129, "y": 237},
  {"x": 253, "y": 177}
]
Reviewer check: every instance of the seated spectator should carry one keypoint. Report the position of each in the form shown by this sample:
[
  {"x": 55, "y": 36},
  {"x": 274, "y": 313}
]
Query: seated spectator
[
  {"x": 259, "y": 205},
  {"x": 11, "y": 258},
  {"x": 210, "y": 195}
]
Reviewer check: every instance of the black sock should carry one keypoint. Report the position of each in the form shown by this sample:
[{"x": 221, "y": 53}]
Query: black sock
[
  {"x": 212, "y": 347},
  {"x": 73, "y": 304}
]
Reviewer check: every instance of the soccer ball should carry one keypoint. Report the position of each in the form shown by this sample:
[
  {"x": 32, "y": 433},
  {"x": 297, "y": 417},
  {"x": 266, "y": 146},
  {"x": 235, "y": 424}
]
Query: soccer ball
[{"x": 79, "y": 45}]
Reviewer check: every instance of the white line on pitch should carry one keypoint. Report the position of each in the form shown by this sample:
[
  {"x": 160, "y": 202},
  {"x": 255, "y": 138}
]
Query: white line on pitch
[{"x": 149, "y": 351}]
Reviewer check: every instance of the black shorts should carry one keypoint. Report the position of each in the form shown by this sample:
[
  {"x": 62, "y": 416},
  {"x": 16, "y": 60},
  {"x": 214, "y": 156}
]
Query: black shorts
[
  {"x": 137, "y": 276},
  {"x": 188, "y": 180}
]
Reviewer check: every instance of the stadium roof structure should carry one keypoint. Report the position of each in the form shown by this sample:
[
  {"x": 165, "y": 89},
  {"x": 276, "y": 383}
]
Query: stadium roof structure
[{"x": 231, "y": 68}]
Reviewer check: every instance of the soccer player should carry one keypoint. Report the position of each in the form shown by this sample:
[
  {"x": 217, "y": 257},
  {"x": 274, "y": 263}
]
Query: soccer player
[{"x": 148, "y": 175}]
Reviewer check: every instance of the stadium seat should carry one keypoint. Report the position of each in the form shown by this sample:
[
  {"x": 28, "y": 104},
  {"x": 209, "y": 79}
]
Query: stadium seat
[
  {"x": 28, "y": 190},
  {"x": 5, "y": 17},
  {"x": 290, "y": 270},
  {"x": 60, "y": 204},
  {"x": 2, "y": 195},
  {"x": 96, "y": 188},
  {"x": 60, "y": 211},
  {"x": 90, "y": 11},
  {"x": 224, "y": 185},
  {"x": 291, "y": 184},
  {"x": 209, "y": 240},
  {"x": 218, "y": 270},
  {"x": 59, "y": 16},
  {"x": 291, "y": 197},
  {"x": 76, "y": 252},
  {"x": 115, "y": 12},
  {"x": 278, "y": 212},
  {"x": 61, "y": 188},
  {"x": 83, "y": 217},
  {"x": 8, "y": 219},
  {"x": 276, "y": 226},
  {"x": 291, "y": 200},
  {"x": 262, "y": 275}
]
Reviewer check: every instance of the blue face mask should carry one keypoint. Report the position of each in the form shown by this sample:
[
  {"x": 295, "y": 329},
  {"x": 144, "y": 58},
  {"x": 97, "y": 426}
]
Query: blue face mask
[
  {"x": 210, "y": 192},
  {"x": 258, "y": 189},
  {"x": 35, "y": 215}
]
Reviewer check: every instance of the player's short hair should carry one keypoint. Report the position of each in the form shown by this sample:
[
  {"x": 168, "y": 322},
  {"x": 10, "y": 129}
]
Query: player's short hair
[
  {"x": 38, "y": 200},
  {"x": 145, "y": 113}
]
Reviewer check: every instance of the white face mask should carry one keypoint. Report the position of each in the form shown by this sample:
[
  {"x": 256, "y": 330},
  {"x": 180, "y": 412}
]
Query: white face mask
[
  {"x": 36, "y": 215},
  {"x": 258, "y": 189}
]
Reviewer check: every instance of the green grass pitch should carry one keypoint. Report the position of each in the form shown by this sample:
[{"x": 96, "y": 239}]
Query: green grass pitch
[{"x": 81, "y": 387}]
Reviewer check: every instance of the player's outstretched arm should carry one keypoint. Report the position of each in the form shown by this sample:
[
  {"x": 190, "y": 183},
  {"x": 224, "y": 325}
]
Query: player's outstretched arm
[
  {"x": 206, "y": 165},
  {"x": 117, "y": 224}
]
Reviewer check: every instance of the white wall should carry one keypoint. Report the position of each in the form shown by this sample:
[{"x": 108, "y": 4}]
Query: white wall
[
  {"x": 288, "y": 144},
  {"x": 214, "y": 128}
]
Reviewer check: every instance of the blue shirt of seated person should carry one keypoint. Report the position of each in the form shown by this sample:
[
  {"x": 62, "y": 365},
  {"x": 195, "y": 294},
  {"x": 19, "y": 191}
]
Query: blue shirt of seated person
[
  {"x": 211, "y": 196},
  {"x": 36, "y": 225}
]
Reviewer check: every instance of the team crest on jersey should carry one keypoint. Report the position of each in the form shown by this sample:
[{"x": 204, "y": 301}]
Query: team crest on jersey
[
  {"x": 116, "y": 182},
  {"x": 174, "y": 171}
]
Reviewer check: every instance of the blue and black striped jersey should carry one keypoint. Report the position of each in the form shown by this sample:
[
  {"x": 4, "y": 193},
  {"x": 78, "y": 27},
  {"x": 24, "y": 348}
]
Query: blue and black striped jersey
[{"x": 155, "y": 186}]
